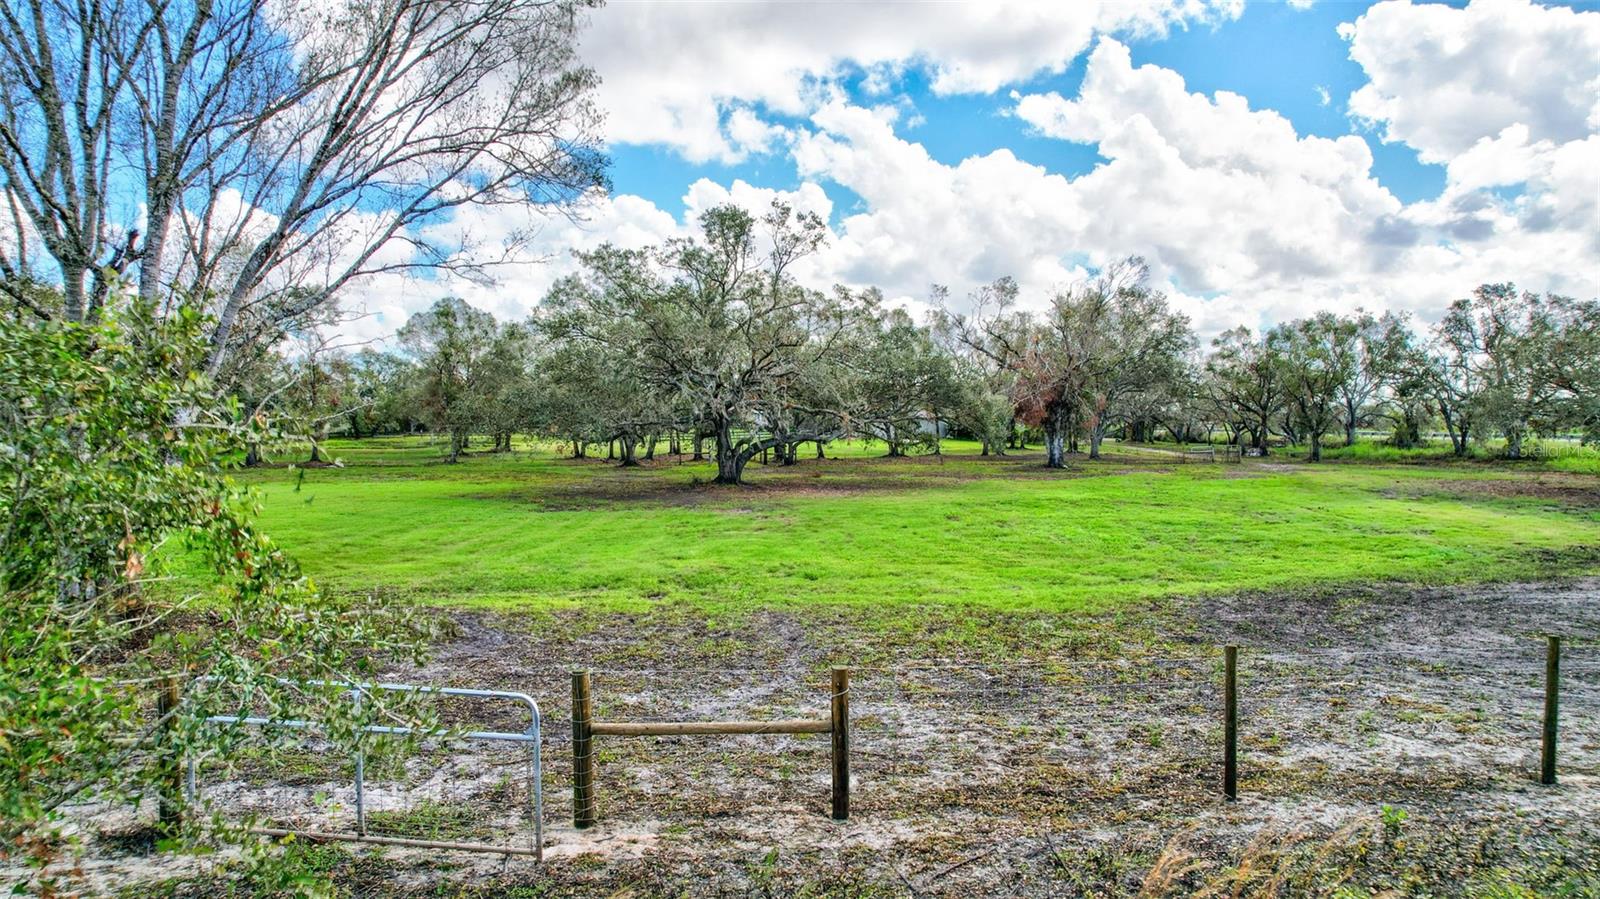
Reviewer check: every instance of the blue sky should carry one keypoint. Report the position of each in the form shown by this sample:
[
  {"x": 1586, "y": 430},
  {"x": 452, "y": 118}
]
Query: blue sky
[
  {"x": 1275, "y": 55},
  {"x": 1388, "y": 156}
]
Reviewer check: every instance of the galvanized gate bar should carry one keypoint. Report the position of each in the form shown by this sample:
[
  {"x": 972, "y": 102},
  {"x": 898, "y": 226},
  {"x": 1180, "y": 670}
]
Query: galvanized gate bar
[{"x": 318, "y": 836}]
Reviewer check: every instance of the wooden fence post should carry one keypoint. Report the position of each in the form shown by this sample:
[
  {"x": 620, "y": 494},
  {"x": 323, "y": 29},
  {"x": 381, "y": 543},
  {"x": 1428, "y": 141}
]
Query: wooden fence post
[
  {"x": 1230, "y": 722},
  {"x": 840, "y": 720},
  {"x": 1552, "y": 703},
  {"x": 169, "y": 782},
  {"x": 583, "y": 766}
]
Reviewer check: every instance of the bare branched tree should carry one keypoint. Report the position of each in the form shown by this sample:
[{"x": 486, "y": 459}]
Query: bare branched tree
[{"x": 257, "y": 156}]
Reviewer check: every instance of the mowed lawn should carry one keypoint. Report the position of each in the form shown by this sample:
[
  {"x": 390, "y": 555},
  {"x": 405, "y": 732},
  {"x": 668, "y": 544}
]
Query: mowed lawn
[{"x": 532, "y": 530}]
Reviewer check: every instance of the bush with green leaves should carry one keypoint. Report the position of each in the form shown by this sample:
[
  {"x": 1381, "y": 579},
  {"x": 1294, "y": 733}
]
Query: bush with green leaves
[{"x": 113, "y": 466}]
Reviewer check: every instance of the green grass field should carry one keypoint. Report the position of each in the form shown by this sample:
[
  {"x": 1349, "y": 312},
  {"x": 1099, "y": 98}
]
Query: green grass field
[
  {"x": 531, "y": 530},
  {"x": 1069, "y": 618}
]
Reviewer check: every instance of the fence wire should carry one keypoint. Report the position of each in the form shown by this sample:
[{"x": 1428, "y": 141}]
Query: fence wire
[
  {"x": 963, "y": 741},
  {"x": 955, "y": 736},
  {"x": 471, "y": 781}
]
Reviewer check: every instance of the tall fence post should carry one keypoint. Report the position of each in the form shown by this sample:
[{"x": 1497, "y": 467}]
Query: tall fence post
[
  {"x": 583, "y": 807},
  {"x": 361, "y": 766},
  {"x": 169, "y": 807},
  {"x": 1230, "y": 722},
  {"x": 840, "y": 721},
  {"x": 1552, "y": 704}
]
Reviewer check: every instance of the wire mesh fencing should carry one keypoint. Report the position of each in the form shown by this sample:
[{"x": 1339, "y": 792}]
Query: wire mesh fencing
[
  {"x": 944, "y": 740},
  {"x": 472, "y": 783},
  {"x": 972, "y": 739}
]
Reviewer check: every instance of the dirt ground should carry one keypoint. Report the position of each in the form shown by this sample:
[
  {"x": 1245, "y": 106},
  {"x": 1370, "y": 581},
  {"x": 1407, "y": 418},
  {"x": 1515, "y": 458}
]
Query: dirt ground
[
  {"x": 1390, "y": 740},
  {"x": 838, "y": 477}
]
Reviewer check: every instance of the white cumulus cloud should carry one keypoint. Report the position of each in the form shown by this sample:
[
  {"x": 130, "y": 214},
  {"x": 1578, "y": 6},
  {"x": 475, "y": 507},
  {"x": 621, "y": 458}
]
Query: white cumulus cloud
[
  {"x": 1243, "y": 219},
  {"x": 1442, "y": 79},
  {"x": 673, "y": 73}
]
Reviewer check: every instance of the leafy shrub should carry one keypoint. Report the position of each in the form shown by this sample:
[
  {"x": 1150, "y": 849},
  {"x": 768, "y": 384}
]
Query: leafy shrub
[{"x": 112, "y": 447}]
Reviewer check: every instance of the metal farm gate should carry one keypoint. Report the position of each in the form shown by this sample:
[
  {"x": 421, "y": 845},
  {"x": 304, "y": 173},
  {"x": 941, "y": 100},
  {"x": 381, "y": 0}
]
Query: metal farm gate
[{"x": 420, "y": 803}]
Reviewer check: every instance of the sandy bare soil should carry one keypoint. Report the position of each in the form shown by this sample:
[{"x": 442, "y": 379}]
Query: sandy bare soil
[{"x": 1390, "y": 740}]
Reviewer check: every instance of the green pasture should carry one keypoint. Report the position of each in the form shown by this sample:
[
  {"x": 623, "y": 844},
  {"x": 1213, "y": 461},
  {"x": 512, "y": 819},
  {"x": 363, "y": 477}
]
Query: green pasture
[{"x": 531, "y": 530}]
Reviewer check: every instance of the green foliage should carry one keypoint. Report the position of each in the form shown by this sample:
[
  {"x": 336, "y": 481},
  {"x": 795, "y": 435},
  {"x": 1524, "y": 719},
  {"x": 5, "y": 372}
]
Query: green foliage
[
  {"x": 1394, "y": 820},
  {"x": 459, "y": 370},
  {"x": 1315, "y": 364},
  {"x": 1106, "y": 350},
  {"x": 987, "y": 344},
  {"x": 111, "y": 454},
  {"x": 379, "y": 383},
  {"x": 1577, "y": 460},
  {"x": 686, "y": 338},
  {"x": 1555, "y": 454},
  {"x": 719, "y": 326},
  {"x": 282, "y": 868},
  {"x": 1243, "y": 380},
  {"x": 592, "y": 393},
  {"x": 1521, "y": 364},
  {"x": 897, "y": 378},
  {"x": 433, "y": 821}
]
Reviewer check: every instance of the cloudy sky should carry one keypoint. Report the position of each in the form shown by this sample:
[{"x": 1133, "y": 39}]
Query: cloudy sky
[{"x": 1267, "y": 158}]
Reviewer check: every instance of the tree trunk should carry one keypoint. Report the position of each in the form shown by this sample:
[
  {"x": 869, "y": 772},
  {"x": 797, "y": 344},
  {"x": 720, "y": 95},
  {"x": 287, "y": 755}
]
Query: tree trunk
[
  {"x": 1514, "y": 437},
  {"x": 458, "y": 440},
  {"x": 630, "y": 445},
  {"x": 1349, "y": 422},
  {"x": 819, "y": 450},
  {"x": 1096, "y": 434},
  {"x": 1316, "y": 445},
  {"x": 699, "y": 447},
  {"x": 729, "y": 467},
  {"x": 789, "y": 451},
  {"x": 252, "y": 455},
  {"x": 650, "y": 447},
  {"x": 1456, "y": 429},
  {"x": 1055, "y": 439},
  {"x": 317, "y": 440}
]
